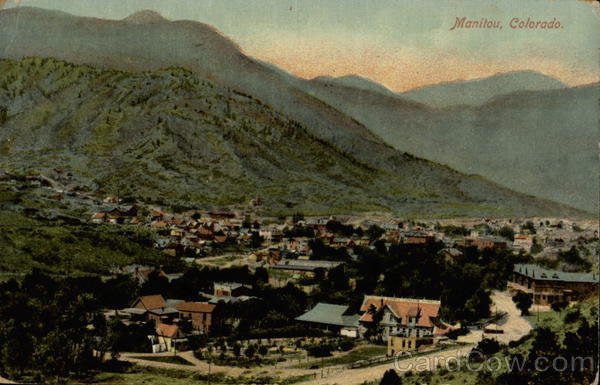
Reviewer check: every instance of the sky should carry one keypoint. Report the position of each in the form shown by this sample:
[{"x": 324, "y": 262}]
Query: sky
[{"x": 402, "y": 44}]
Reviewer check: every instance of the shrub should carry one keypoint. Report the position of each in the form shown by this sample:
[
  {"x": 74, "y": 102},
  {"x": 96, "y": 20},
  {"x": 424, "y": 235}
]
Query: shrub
[
  {"x": 319, "y": 350},
  {"x": 390, "y": 377},
  {"x": 346, "y": 345}
]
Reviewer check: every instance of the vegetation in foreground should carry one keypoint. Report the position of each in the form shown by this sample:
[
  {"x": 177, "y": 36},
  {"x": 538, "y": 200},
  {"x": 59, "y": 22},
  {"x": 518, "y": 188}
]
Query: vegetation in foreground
[{"x": 568, "y": 334}]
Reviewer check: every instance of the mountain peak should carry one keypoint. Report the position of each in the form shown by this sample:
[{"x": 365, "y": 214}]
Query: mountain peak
[
  {"x": 145, "y": 16},
  {"x": 355, "y": 81},
  {"x": 482, "y": 90}
]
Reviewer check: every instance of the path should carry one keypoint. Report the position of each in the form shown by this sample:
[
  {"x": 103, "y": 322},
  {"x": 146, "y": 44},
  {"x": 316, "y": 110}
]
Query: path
[
  {"x": 202, "y": 366},
  {"x": 513, "y": 324},
  {"x": 421, "y": 363}
]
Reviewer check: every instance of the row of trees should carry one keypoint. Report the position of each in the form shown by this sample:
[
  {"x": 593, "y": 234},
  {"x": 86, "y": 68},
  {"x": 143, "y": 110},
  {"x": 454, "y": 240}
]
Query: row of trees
[
  {"x": 420, "y": 271},
  {"x": 52, "y": 327}
]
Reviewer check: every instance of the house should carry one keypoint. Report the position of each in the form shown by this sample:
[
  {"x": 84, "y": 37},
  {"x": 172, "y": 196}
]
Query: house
[
  {"x": 130, "y": 212},
  {"x": 231, "y": 289},
  {"x": 551, "y": 286},
  {"x": 411, "y": 322},
  {"x": 299, "y": 244},
  {"x": 200, "y": 314},
  {"x": 418, "y": 238},
  {"x": 495, "y": 243},
  {"x": 142, "y": 275},
  {"x": 451, "y": 255},
  {"x": 153, "y": 307},
  {"x": 139, "y": 309},
  {"x": 99, "y": 217},
  {"x": 332, "y": 318},
  {"x": 271, "y": 257},
  {"x": 523, "y": 242},
  {"x": 220, "y": 237},
  {"x": 149, "y": 302},
  {"x": 305, "y": 267},
  {"x": 111, "y": 199},
  {"x": 170, "y": 335},
  {"x": 157, "y": 215}
]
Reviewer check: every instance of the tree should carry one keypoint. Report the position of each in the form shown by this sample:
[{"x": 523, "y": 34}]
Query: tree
[
  {"x": 374, "y": 232},
  {"x": 523, "y": 302},
  {"x": 17, "y": 346},
  {"x": 237, "y": 349},
  {"x": 536, "y": 248},
  {"x": 297, "y": 217},
  {"x": 261, "y": 275},
  {"x": 374, "y": 327},
  {"x": 390, "y": 377},
  {"x": 487, "y": 347},
  {"x": 157, "y": 283},
  {"x": 250, "y": 350},
  {"x": 338, "y": 278},
  {"x": 54, "y": 356},
  {"x": 256, "y": 240},
  {"x": 529, "y": 226},
  {"x": 559, "y": 306},
  {"x": 507, "y": 232},
  {"x": 263, "y": 350}
]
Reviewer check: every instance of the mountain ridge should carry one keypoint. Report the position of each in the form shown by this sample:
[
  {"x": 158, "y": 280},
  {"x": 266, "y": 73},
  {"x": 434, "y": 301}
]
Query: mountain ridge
[
  {"x": 481, "y": 139},
  {"x": 171, "y": 136},
  {"x": 216, "y": 59},
  {"x": 480, "y": 91}
]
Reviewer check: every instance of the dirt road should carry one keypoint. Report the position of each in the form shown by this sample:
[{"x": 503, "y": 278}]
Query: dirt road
[
  {"x": 513, "y": 325},
  {"x": 202, "y": 366},
  {"x": 421, "y": 363}
]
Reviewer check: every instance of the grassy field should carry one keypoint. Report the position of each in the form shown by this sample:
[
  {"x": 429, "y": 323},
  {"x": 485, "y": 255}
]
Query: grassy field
[
  {"x": 361, "y": 353},
  {"x": 167, "y": 359},
  {"x": 545, "y": 319}
]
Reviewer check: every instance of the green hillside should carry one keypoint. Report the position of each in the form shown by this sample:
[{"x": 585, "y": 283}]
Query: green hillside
[{"x": 173, "y": 137}]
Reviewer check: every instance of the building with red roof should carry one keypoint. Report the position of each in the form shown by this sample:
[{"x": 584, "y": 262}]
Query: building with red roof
[{"x": 406, "y": 323}]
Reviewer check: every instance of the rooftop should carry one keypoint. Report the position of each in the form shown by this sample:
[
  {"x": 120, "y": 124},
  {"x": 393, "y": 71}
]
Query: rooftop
[
  {"x": 330, "y": 314},
  {"x": 543, "y": 274},
  {"x": 425, "y": 310}
]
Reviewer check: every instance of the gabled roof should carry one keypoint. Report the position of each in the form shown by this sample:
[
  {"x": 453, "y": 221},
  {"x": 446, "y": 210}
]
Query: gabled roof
[
  {"x": 151, "y": 302},
  {"x": 170, "y": 331},
  {"x": 196, "y": 307},
  {"x": 543, "y": 274},
  {"x": 425, "y": 310},
  {"x": 329, "y": 314}
]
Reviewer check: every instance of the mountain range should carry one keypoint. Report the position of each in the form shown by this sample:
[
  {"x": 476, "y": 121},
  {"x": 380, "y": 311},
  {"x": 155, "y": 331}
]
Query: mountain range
[
  {"x": 540, "y": 142},
  {"x": 176, "y": 109}
]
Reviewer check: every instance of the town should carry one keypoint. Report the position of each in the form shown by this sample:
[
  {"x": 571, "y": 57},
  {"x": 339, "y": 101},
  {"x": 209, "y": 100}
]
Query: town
[{"x": 312, "y": 297}]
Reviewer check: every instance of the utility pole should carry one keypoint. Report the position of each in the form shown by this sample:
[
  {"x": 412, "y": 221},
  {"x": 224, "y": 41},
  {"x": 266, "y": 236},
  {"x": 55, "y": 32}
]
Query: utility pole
[{"x": 538, "y": 308}]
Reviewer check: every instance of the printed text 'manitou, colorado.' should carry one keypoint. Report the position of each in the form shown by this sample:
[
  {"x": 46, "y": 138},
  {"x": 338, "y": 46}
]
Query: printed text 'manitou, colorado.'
[{"x": 514, "y": 23}]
